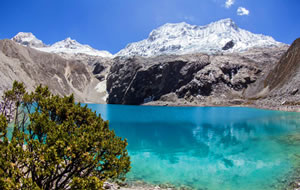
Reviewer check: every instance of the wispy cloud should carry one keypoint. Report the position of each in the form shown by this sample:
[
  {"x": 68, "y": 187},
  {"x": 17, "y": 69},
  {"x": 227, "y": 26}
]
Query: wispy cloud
[
  {"x": 229, "y": 3},
  {"x": 241, "y": 11}
]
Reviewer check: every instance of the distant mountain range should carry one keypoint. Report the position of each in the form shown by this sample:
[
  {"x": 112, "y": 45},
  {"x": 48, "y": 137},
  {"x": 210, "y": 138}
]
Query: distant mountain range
[{"x": 223, "y": 36}]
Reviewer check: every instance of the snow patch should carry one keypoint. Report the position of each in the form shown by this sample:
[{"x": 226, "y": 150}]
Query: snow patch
[{"x": 101, "y": 87}]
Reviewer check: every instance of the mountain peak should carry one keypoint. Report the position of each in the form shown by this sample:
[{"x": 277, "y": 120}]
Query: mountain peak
[
  {"x": 226, "y": 22},
  {"x": 72, "y": 47},
  {"x": 68, "y": 43},
  {"x": 28, "y": 39},
  {"x": 25, "y": 34},
  {"x": 176, "y": 30},
  {"x": 67, "y": 46},
  {"x": 182, "y": 38}
]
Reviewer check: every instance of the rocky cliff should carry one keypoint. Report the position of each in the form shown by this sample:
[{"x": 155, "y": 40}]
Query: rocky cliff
[
  {"x": 190, "y": 79},
  {"x": 63, "y": 76}
]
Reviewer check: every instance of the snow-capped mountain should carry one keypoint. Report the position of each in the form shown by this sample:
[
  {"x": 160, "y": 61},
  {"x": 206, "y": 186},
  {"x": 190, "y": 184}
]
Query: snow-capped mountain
[
  {"x": 70, "y": 46},
  {"x": 181, "y": 38},
  {"x": 223, "y": 36},
  {"x": 28, "y": 39},
  {"x": 66, "y": 47}
]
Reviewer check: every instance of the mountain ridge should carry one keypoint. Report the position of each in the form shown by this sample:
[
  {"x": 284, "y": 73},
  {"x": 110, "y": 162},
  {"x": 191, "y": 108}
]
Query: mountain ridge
[
  {"x": 223, "y": 36},
  {"x": 182, "y": 38},
  {"x": 67, "y": 46},
  {"x": 191, "y": 79}
]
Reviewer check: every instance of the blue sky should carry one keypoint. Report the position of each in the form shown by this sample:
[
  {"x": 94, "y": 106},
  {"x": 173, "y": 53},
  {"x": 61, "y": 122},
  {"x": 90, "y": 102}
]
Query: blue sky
[{"x": 112, "y": 24}]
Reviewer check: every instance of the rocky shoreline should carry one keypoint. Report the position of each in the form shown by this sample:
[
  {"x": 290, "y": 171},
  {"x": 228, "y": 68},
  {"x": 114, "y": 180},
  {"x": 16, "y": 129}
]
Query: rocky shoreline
[
  {"x": 292, "y": 182},
  {"x": 288, "y": 108},
  {"x": 142, "y": 185}
]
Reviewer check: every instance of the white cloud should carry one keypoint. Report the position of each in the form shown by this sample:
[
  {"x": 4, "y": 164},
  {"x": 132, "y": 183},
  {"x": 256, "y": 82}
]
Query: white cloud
[
  {"x": 242, "y": 11},
  {"x": 229, "y": 3}
]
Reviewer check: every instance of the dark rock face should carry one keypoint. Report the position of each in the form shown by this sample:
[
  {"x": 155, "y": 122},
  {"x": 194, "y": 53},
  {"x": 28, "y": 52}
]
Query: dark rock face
[
  {"x": 228, "y": 45},
  {"x": 223, "y": 75},
  {"x": 138, "y": 80},
  {"x": 98, "y": 68}
]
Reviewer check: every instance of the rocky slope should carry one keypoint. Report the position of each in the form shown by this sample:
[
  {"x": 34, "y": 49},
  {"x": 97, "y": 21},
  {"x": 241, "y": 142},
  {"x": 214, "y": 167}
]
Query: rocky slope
[
  {"x": 189, "y": 79},
  {"x": 95, "y": 60},
  {"x": 35, "y": 67},
  {"x": 286, "y": 74},
  {"x": 280, "y": 86},
  {"x": 223, "y": 36}
]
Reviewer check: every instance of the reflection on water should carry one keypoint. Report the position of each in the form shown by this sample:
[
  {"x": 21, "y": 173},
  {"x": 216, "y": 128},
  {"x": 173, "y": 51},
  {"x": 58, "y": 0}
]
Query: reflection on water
[{"x": 213, "y": 148}]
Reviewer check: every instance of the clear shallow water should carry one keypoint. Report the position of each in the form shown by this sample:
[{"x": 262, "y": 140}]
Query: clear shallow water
[{"x": 206, "y": 147}]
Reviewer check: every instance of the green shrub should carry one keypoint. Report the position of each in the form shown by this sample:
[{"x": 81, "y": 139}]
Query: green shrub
[{"x": 56, "y": 143}]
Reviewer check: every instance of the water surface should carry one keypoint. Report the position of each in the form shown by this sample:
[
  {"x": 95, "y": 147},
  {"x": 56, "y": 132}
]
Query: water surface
[{"x": 207, "y": 147}]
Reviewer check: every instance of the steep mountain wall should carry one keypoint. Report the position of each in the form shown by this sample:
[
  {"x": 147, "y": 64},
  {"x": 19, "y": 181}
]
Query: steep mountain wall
[
  {"x": 281, "y": 85},
  {"x": 193, "y": 78},
  {"x": 286, "y": 70}
]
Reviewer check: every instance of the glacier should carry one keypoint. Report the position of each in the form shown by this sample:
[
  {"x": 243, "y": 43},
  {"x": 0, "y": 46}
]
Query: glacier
[{"x": 182, "y": 38}]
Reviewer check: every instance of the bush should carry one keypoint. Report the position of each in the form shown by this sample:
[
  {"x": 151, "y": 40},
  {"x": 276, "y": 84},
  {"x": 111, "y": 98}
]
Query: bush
[{"x": 56, "y": 143}]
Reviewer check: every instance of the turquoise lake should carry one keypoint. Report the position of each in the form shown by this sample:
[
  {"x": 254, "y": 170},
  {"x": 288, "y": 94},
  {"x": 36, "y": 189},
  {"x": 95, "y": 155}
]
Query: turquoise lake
[{"x": 207, "y": 147}]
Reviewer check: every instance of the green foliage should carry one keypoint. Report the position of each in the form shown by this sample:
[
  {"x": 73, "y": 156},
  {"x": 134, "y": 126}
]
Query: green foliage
[
  {"x": 11, "y": 100},
  {"x": 57, "y": 144}
]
